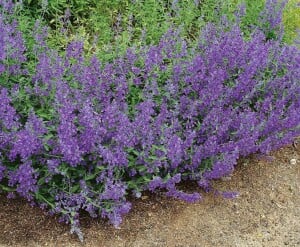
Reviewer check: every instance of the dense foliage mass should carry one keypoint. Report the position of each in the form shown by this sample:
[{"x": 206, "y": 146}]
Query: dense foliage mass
[
  {"x": 83, "y": 134},
  {"x": 110, "y": 27}
]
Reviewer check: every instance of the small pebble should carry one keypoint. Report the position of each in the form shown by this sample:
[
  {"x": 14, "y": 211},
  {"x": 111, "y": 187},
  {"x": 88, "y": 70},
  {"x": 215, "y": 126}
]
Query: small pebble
[
  {"x": 226, "y": 178},
  {"x": 293, "y": 161}
]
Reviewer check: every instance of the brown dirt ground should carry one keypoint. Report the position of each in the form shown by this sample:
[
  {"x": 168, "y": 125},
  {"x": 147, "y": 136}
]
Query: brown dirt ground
[{"x": 267, "y": 213}]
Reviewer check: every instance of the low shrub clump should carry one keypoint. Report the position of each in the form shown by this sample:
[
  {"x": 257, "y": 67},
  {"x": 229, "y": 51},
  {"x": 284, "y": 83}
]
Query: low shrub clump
[
  {"x": 79, "y": 134},
  {"x": 110, "y": 27}
]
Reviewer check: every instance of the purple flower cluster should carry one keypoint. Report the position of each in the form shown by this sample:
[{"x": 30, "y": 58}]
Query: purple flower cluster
[
  {"x": 24, "y": 178},
  {"x": 149, "y": 119},
  {"x": 271, "y": 19},
  {"x": 12, "y": 46}
]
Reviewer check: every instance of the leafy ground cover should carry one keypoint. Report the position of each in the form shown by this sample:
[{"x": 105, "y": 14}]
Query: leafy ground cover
[{"x": 81, "y": 133}]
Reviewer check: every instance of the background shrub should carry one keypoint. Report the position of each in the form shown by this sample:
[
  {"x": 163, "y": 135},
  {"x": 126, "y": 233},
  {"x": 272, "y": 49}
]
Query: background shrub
[{"x": 110, "y": 27}]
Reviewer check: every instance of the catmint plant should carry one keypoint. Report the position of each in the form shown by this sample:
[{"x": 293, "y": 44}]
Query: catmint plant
[{"x": 91, "y": 132}]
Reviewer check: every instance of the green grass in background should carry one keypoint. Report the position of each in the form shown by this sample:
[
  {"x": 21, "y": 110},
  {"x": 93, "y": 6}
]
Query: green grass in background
[
  {"x": 110, "y": 26},
  {"x": 291, "y": 20}
]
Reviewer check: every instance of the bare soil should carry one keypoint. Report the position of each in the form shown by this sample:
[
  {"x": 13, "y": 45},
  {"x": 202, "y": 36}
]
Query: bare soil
[{"x": 266, "y": 213}]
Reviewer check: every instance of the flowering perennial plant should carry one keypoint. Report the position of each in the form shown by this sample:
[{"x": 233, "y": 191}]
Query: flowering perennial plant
[{"x": 92, "y": 133}]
